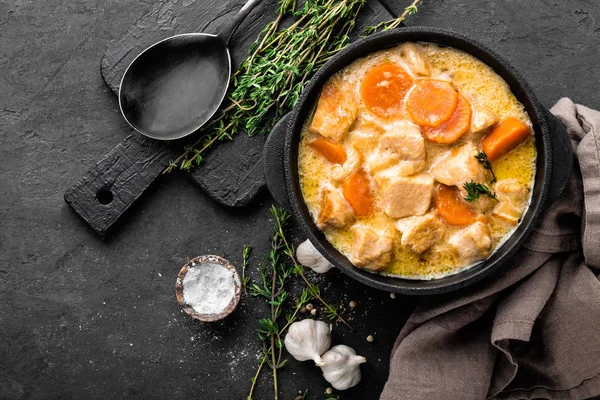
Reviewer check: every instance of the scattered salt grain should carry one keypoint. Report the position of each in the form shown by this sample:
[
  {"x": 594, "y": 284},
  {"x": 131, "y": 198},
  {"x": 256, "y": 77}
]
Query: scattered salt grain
[{"x": 209, "y": 288}]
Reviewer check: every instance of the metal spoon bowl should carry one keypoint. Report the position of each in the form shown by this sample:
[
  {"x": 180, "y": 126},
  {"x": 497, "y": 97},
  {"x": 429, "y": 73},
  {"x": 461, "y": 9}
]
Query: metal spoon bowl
[{"x": 175, "y": 86}]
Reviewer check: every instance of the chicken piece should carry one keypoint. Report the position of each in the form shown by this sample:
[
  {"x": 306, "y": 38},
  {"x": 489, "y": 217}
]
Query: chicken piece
[
  {"x": 415, "y": 59},
  {"x": 420, "y": 233},
  {"x": 354, "y": 159},
  {"x": 512, "y": 198},
  {"x": 372, "y": 249},
  {"x": 486, "y": 204},
  {"x": 483, "y": 118},
  {"x": 401, "y": 147},
  {"x": 459, "y": 166},
  {"x": 406, "y": 196},
  {"x": 472, "y": 243},
  {"x": 333, "y": 208},
  {"x": 365, "y": 137},
  {"x": 336, "y": 110}
]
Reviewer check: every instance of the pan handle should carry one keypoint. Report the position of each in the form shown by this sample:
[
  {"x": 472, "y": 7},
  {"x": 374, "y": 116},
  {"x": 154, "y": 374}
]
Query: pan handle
[
  {"x": 111, "y": 186},
  {"x": 274, "y": 164},
  {"x": 562, "y": 157}
]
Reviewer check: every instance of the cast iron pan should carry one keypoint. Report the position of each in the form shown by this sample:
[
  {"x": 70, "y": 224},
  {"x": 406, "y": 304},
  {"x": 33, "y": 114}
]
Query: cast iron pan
[{"x": 554, "y": 159}]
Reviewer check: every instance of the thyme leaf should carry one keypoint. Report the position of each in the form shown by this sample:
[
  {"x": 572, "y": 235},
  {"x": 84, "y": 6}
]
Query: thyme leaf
[
  {"x": 245, "y": 262},
  {"x": 394, "y": 23},
  {"x": 474, "y": 190},
  {"x": 482, "y": 158}
]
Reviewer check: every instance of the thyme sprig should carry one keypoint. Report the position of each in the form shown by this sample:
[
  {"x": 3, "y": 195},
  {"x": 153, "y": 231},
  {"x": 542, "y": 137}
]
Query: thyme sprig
[
  {"x": 482, "y": 158},
  {"x": 245, "y": 261},
  {"x": 474, "y": 190},
  {"x": 330, "y": 311},
  {"x": 281, "y": 61},
  {"x": 394, "y": 23},
  {"x": 274, "y": 275}
]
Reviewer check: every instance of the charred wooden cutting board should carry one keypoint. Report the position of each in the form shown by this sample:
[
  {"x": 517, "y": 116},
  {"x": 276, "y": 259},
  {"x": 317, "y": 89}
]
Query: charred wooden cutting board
[{"x": 232, "y": 172}]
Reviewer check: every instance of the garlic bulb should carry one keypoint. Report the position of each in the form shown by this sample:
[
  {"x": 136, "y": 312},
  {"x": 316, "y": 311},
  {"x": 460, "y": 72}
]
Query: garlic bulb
[
  {"x": 342, "y": 367},
  {"x": 308, "y": 339},
  {"x": 310, "y": 257}
]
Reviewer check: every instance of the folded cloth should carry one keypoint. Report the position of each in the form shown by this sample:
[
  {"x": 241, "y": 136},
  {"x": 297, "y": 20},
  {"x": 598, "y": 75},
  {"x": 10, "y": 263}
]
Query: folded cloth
[{"x": 532, "y": 331}]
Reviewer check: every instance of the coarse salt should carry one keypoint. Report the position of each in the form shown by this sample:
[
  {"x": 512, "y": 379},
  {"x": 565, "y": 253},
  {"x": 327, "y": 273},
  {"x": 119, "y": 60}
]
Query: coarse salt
[{"x": 208, "y": 288}]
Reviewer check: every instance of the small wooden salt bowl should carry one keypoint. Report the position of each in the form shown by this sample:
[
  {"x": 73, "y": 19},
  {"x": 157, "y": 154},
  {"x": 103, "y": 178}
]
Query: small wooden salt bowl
[{"x": 198, "y": 262}]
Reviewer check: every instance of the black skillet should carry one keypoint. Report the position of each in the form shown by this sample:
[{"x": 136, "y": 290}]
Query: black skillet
[{"x": 554, "y": 159}]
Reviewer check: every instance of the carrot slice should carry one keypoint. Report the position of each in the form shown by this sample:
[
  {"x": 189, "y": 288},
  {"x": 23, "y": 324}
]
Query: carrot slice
[
  {"x": 451, "y": 130},
  {"x": 357, "y": 191},
  {"x": 506, "y": 136},
  {"x": 451, "y": 207},
  {"x": 384, "y": 88},
  {"x": 432, "y": 102},
  {"x": 332, "y": 151}
]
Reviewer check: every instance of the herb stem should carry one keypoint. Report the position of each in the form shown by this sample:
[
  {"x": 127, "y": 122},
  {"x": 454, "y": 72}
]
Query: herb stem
[
  {"x": 245, "y": 262},
  {"x": 273, "y": 318},
  {"x": 393, "y": 24},
  {"x": 289, "y": 251},
  {"x": 263, "y": 359}
]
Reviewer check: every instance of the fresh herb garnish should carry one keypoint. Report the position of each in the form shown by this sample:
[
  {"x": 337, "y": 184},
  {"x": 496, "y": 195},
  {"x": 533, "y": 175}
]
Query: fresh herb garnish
[
  {"x": 393, "y": 24},
  {"x": 245, "y": 260},
  {"x": 474, "y": 190},
  {"x": 274, "y": 275},
  {"x": 281, "y": 61},
  {"x": 482, "y": 158}
]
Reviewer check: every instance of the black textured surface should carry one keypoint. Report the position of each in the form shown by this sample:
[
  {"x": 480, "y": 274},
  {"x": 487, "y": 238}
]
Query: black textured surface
[
  {"x": 273, "y": 163},
  {"x": 85, "y": 318},
  {"x": 109, "y": 188}
]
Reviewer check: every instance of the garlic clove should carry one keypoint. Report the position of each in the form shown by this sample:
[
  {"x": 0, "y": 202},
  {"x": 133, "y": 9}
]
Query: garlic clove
[
  {"x": 342, "y": 367},
  {"x": 310, "y": 257},
  {"x": 308, "y": 339}
]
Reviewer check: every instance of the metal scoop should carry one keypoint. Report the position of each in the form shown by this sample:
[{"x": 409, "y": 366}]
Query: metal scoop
[{"x": 174, "y": 86}]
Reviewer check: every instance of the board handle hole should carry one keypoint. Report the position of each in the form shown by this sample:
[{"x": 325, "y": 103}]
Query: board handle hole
[{"x": 104, "y": 196}]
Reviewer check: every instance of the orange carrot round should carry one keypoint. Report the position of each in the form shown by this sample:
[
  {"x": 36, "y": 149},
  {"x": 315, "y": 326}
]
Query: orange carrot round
[
  {"x": 384, "y": 88},
  {"x": 506, "y": 136},
  {"x": 432, "y": 102},
  {"x": 332, "y": 151},
  {"x": 451, "y": 130},
  {"x": 357, "y": 191},
  {"x": 451, "y": 207}
]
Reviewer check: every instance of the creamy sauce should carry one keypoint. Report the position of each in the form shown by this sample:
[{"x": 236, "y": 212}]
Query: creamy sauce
[{"x": 479, "y": 84}]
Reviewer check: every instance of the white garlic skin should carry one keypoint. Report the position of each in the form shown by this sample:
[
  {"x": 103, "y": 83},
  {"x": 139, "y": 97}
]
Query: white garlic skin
[
  {"x": 342, "y": 367},
  {"x": 308, "y": 339},
  {"x": 310, "y": 257}
]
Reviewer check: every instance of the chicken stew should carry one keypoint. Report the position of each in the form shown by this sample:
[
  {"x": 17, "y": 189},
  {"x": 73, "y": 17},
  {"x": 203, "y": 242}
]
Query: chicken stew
[{"x": 417, "y": 161}]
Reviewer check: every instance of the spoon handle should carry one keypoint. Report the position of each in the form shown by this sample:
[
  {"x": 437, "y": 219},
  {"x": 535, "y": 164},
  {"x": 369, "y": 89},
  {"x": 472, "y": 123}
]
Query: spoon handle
[{"x": 232, "y": 25}]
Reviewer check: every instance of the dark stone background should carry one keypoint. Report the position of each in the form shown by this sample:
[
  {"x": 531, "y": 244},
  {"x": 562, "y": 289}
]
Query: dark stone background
[{"x": 85, "y": 318}]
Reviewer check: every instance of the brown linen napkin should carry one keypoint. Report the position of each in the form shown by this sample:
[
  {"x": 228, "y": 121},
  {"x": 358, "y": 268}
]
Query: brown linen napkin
[{"x": 533, "y": 331}]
